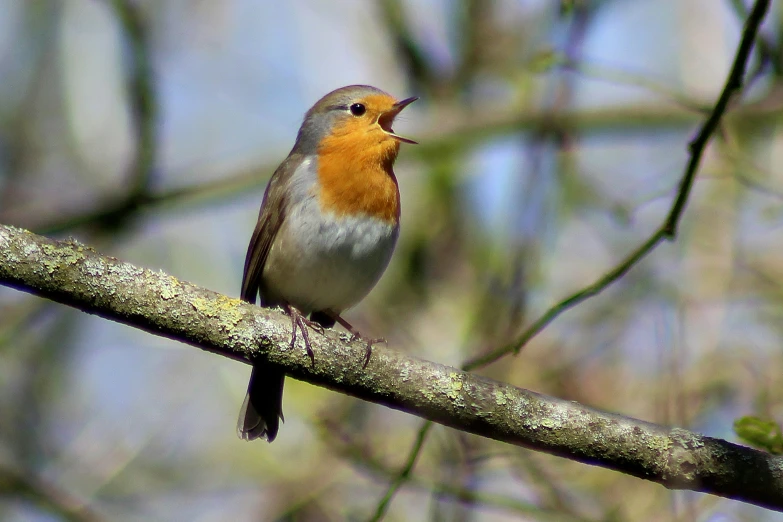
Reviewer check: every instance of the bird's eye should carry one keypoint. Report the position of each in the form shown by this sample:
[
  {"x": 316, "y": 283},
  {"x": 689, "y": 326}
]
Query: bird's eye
[{"x": 358, "y": 109}]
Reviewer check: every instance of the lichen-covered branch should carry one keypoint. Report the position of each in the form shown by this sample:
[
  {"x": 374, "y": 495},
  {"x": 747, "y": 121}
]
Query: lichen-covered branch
[{"x": 74, "y": 274}]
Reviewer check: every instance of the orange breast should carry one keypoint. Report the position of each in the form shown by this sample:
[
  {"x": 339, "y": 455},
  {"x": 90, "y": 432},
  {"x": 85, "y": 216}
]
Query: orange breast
[{"x": 355, "y": 172}]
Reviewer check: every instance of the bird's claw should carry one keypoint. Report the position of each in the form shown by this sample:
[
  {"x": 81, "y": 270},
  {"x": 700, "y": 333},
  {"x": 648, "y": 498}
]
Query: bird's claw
[
  {"x": 368, "y": 347},
  {"x": 299, "y": 321}
]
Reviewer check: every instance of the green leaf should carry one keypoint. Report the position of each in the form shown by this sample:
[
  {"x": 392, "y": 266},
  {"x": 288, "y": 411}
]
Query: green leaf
[{"x": 762, "y": 433}]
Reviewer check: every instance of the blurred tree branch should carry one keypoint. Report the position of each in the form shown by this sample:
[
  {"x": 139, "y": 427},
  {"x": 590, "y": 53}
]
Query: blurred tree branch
[
  {"x": 456, "y": 135},
  {"x": 112, "y": 211},
  {"x": 46, "y": 496},
  {"x": 143, "y": 100},
  {"x": 73, "y": 274},
  {"x": 412, "y": 56},
  {"x": 668, "y": 229}
]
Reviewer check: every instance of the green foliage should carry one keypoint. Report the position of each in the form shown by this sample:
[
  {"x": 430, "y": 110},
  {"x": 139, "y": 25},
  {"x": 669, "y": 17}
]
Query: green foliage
[{"x": 762, "y": 433}]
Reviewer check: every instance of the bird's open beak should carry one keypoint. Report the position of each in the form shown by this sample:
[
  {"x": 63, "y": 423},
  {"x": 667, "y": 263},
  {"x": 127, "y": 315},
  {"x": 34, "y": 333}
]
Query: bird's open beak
[{"x": 387, "y": 118}]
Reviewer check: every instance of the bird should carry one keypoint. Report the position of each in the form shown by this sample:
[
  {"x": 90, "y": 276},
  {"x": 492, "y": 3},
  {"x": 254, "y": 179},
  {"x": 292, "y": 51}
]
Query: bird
[{"x": 326, "y": 231}]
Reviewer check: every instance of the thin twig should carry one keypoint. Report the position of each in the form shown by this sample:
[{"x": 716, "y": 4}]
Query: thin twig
[
  {"x": 733, "y": 86},
  {"x": 403, "y": 474},
  {"x": 668, "y": 230},
  {"x": 73, "y": 274}
]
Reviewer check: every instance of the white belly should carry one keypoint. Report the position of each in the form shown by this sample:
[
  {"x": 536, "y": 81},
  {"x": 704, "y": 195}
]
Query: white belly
[{"x": 320, "y": 262}]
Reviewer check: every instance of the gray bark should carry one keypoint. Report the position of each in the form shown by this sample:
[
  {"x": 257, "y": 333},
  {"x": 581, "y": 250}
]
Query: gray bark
[{"x": 73, "y": 274}]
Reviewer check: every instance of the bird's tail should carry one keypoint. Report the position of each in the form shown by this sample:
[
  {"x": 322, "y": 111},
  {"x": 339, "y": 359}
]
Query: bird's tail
[{"x": 263, "y": 407}]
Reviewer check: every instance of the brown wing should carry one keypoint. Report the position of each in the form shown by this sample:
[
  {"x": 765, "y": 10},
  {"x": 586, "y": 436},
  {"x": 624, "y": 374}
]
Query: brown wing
[{"x": 270, "y": 218}]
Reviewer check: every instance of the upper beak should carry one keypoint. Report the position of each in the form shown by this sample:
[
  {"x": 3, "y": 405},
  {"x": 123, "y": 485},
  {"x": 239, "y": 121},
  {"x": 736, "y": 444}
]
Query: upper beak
[{"x": 387, "y": 118}]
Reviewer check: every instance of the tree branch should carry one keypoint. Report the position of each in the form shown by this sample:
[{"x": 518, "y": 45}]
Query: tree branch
[
  {"x": 74, "y": 274},
  {"x": 668, "y": 229},
  {"x": 731, "y": 88}
]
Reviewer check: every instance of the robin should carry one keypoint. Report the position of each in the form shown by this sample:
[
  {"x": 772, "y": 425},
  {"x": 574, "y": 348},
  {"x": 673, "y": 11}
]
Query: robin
[{"x": 326, "y": 231}]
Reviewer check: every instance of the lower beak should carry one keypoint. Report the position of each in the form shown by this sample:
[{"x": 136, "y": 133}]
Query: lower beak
[{"x": 387, "y": 118}]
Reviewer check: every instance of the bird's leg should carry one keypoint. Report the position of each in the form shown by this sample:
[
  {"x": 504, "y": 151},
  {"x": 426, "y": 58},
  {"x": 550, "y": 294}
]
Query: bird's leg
[
  {"x": 315, "y": 325},
  {"x": 300, "y": 321},
  {"x": 356, "y": 335}
]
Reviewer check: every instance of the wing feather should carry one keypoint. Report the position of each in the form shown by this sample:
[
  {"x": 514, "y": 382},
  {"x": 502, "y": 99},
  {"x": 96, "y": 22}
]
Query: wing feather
[{"x": 270, "y": 219}]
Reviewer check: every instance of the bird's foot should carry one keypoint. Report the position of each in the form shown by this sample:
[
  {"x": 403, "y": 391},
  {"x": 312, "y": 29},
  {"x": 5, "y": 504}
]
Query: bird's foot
[
  {"x": 368, "y": 347},
  {"x": 356, "y": 336},
  {"x": 299, "y": 321}
]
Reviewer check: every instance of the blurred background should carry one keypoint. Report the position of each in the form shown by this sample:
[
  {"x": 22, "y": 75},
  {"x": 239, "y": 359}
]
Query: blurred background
[{"x": 553, "y": 136}]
